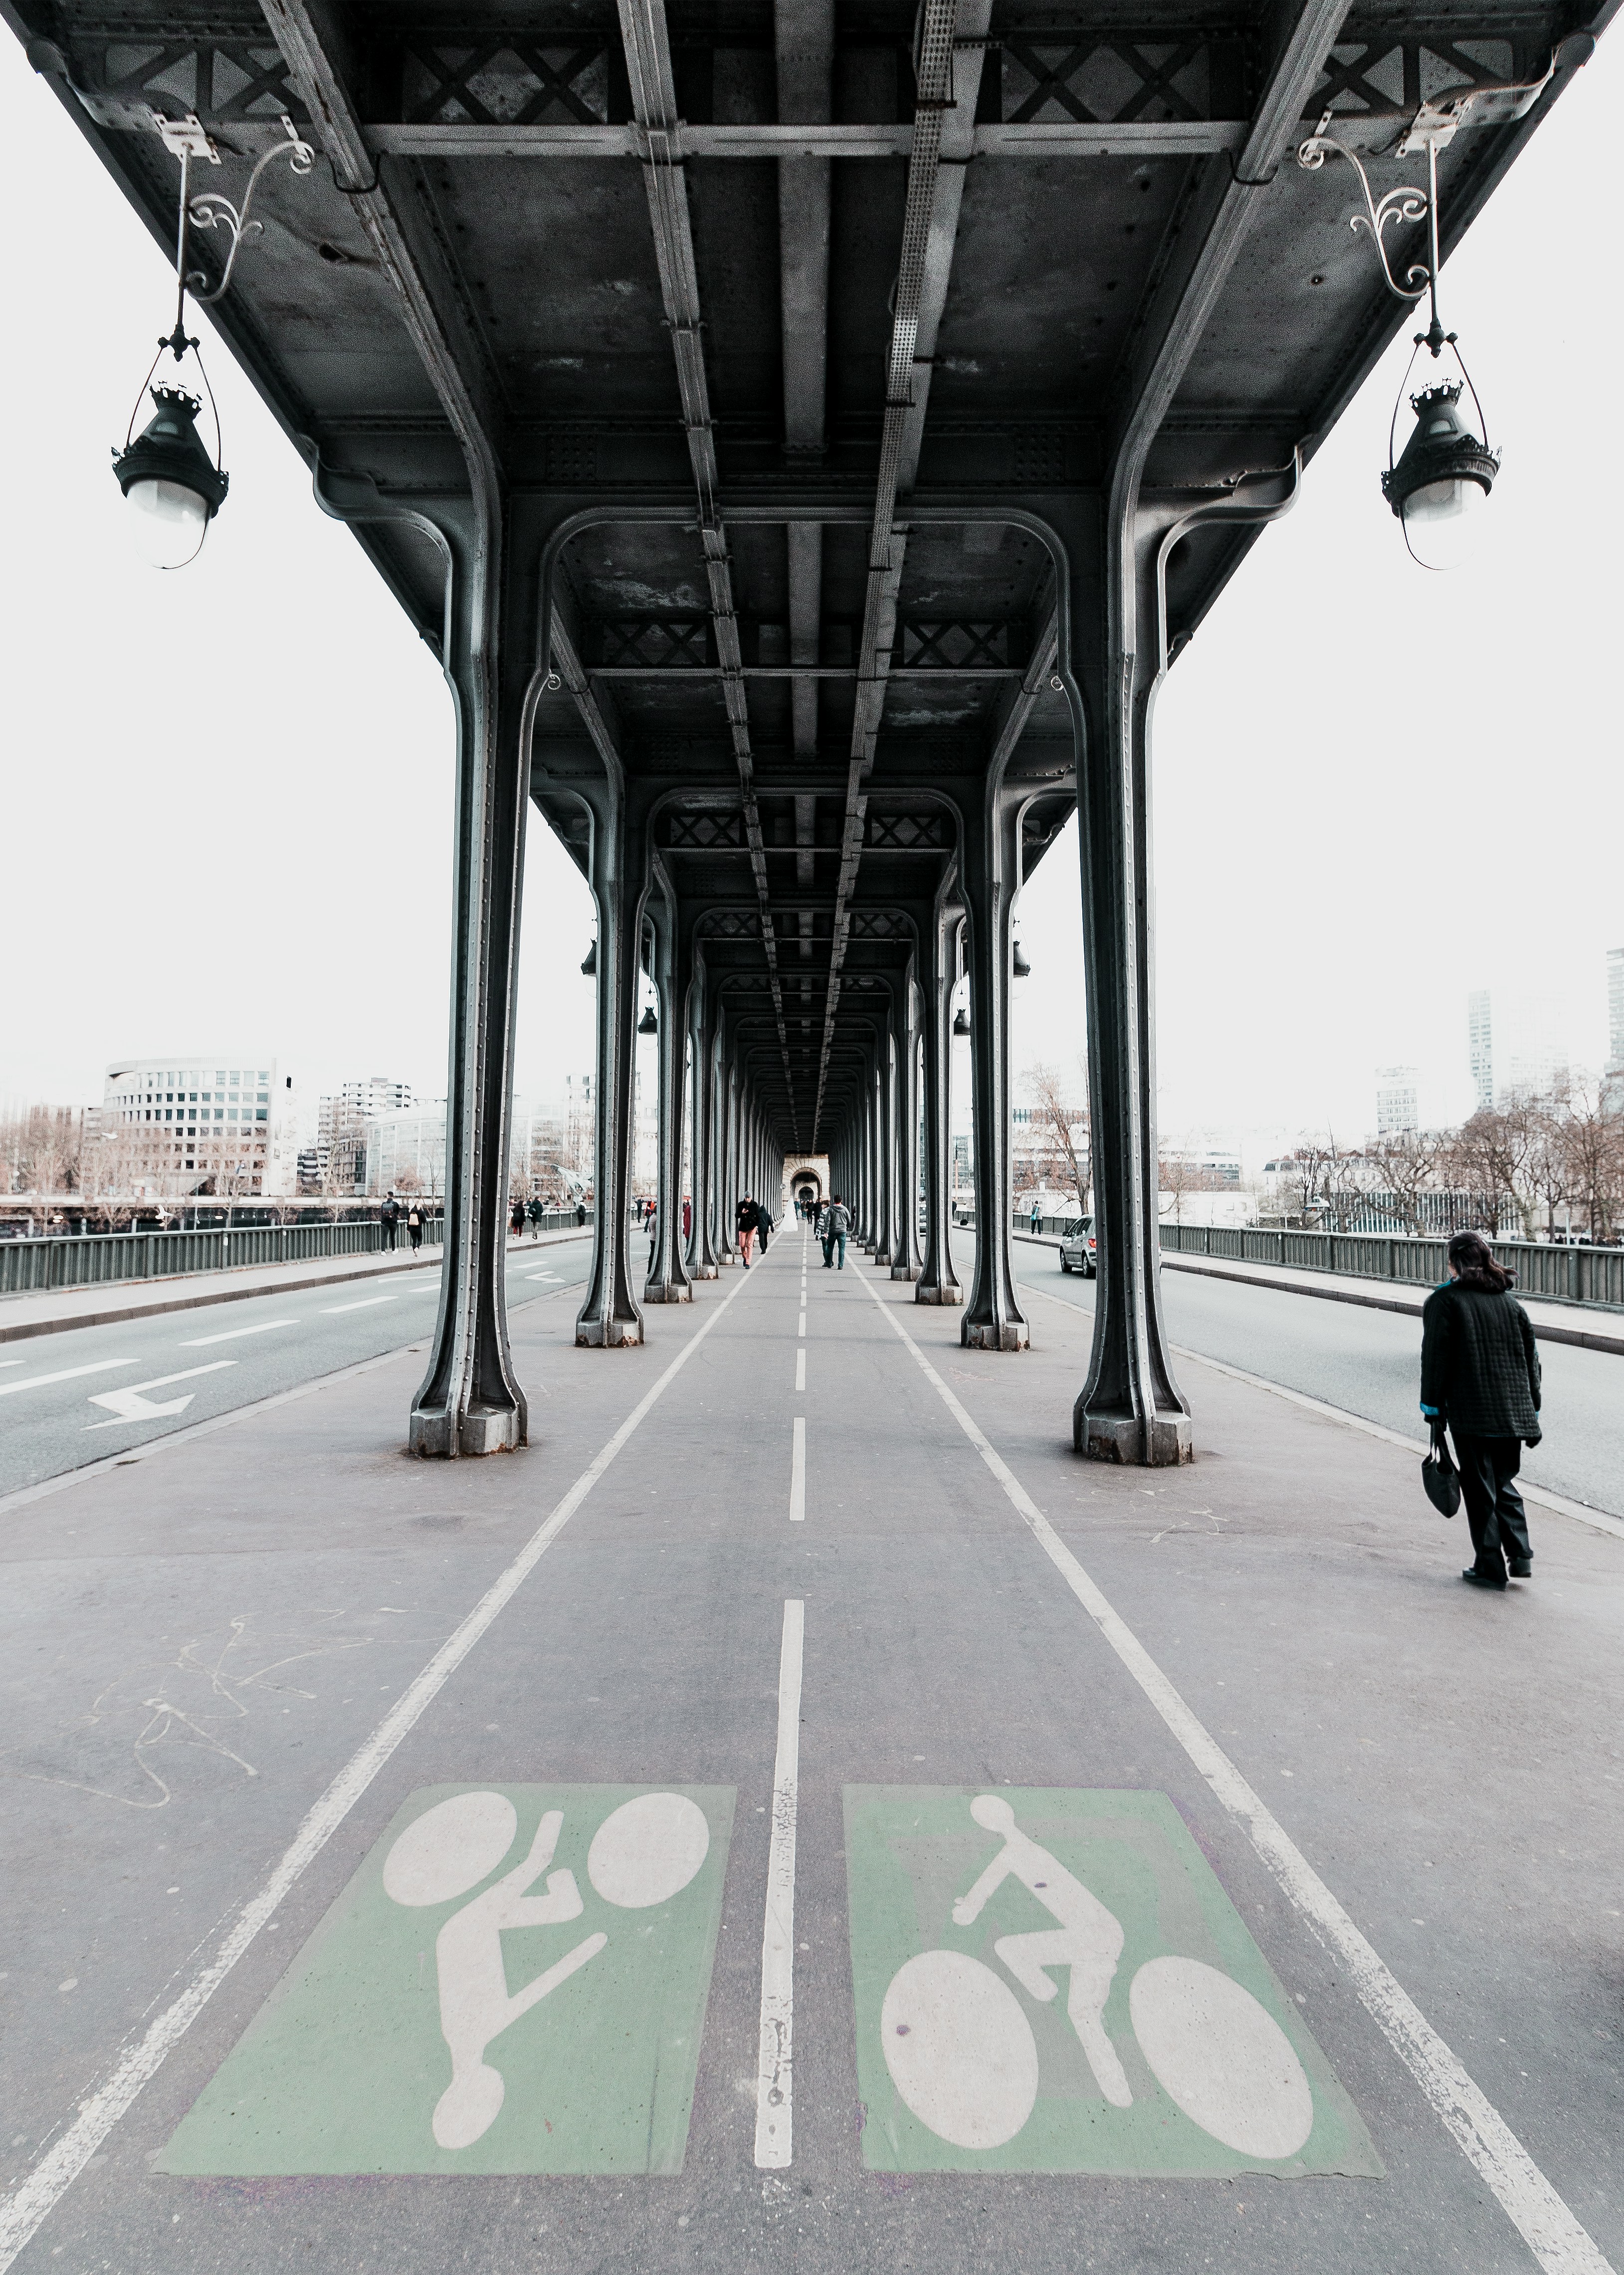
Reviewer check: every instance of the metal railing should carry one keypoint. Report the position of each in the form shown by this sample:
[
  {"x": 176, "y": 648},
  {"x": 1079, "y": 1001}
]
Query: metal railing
[
  {"x": 88, "y": 1259},
  {"x": 1567, "y": 1275}
]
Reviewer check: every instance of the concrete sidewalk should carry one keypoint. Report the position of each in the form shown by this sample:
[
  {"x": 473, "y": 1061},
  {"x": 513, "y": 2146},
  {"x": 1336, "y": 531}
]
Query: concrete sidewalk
[
  {"x": 1552, "y": 1322},
  {"x": 51, "y": 1311},
  {"x": 231, "y": 1679}
]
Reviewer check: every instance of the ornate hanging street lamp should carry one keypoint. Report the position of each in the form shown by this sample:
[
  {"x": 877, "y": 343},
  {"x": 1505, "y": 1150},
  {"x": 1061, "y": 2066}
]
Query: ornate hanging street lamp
[
  {"x": 173, "y": 487},
  {"x": 589, "y": 961},
  {"x": 1438, "y": 483},
  {"x": 961, "y": 1025},
  {"x": 1018, "y": 964},
  {"x": 648, "y": 1025}
]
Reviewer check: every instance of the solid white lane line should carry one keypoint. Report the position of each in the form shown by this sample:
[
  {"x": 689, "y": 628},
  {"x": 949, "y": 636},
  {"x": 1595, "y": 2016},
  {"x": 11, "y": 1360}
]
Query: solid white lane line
[
  {"x": 797, "y": 1473},
  {"x": 1555, "y": 2237},
  {"x": 62, "y": 1374},
  {"x": 774, "y": 2099},
  {"x": 32, "y": 2202},
  {"x": 800, "y": 1369},
  {"x": 331, "y": 1311},
  {"x": 235, "y": 1334}
]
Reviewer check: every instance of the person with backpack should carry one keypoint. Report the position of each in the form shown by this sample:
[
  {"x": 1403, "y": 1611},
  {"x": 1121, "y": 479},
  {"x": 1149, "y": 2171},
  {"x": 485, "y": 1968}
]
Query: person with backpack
[
  {"x": 836, "y": 1225},
  {"x": 747, "y": 1223},
  {"x": 1480, "y": 1378},
  {"x": 388, "y": 1217},
  {"x": 415, "y": 1226}
]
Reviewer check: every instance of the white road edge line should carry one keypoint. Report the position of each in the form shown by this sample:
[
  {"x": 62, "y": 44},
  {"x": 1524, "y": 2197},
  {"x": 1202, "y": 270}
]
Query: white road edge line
[
  {"x": 22, "y": 2212},
  {"x": 1555, "y": 2237},
  {"x": 797, "y": 1472},
  {"x": 775, "y": 2072},
  {"x": 1599, "y": 1520}
]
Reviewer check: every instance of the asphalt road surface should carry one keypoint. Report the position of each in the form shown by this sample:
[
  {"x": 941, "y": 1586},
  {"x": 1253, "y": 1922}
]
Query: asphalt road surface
[
  {"x": 1368, "y": 1363},
  {"x": 77, "y": 1397}
]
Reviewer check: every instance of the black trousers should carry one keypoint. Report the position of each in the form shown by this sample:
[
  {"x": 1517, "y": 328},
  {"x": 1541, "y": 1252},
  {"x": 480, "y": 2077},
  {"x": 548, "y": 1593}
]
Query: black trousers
[
  {"x": 388, "y": 1235},
  {"x": 1494, "y": 1506}
]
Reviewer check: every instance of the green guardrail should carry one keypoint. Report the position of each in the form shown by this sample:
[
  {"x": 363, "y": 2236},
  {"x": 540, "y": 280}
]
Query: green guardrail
[{"x": 1562, "y": 1275}]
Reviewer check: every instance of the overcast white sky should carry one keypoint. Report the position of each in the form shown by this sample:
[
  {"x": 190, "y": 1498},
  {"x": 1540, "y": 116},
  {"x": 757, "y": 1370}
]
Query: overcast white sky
[{"x": 227, "y": 792}]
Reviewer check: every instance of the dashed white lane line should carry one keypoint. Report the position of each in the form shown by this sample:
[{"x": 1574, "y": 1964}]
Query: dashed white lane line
[
  {"x": 774, "y": 2099},
  {"x": 797, "y": 1472},
  {"x": 1555, "y": 2237},
  {"x": 801, "y": 1328},
  {"x": 331, "y": 1311},
  {"x": 800, "y": 1368},
  {"x": 64, "y": 1374},
  {"x": 235, "y": 1334},
  {"x": 32, "y": 2200}
]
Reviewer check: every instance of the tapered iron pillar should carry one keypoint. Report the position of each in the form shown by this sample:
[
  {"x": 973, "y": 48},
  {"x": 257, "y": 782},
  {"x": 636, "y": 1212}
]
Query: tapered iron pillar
[
  {"x": 610, "y": 1317},
  {"x": 667, "y": 1275},
  {"x": 906, "y": 1259},
  {"x": 1132, "y": 1409},
  {"x": 938, "y": 1282},
  {"x": 470, "y": 1400},
  {"x": 990, "y": 879}
]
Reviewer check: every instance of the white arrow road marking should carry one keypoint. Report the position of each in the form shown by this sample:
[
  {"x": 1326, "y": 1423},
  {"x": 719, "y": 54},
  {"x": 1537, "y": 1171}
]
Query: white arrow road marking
[
  {"x": 331, "y": 1311},
  {"x": 62, "y": 1374},
  {"x": 235, "y": 1334},
  {"x": 128, "y": 1405}
]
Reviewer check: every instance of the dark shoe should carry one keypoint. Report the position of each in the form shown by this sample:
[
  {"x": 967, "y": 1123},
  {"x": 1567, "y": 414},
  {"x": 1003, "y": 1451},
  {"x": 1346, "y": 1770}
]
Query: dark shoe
[
  {"x": 1477, "y": 1579},
  {"x": 1521, "y": 1567}
]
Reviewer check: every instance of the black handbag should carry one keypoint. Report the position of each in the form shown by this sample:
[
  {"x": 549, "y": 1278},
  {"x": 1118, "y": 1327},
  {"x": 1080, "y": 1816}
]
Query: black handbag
[{"x": 1440, "y": 1475}]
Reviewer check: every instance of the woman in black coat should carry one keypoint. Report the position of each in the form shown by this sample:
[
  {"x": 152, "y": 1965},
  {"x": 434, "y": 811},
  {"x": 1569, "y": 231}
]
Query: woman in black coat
[{"x": 1480, "y": 1375}]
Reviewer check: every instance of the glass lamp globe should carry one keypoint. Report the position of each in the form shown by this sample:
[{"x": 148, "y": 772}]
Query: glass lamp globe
[
  {"x": 167, "y": 521},
  {"x": 1440, "y": 520}
]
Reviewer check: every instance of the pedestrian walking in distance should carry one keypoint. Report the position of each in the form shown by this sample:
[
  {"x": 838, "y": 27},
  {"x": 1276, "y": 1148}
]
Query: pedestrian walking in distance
[
  {"x": 837, "y": 1224},
  {"x": 388, "y": 1216},
  {"x": 745, "y": 1223},
  {"x": 1480, "y": 1376},
  {"x": 516, "y": 1218},
  {"x": 535, "y": 1213},
  {"x": 415, "y": 1226}
]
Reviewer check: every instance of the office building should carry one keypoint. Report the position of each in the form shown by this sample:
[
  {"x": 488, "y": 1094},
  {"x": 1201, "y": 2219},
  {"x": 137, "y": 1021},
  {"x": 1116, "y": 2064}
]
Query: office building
[
  {"x": 1516, "y": 1045},
  {"x": 1615, "y": 1007},
  {"x": 181, "y": 1125},
  {"x": 1398, "y": 1102}
]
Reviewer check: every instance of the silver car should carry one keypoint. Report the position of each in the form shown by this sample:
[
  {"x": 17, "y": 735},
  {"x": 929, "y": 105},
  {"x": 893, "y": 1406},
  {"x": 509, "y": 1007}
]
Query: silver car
[{"x": 1077, "y": 1247}]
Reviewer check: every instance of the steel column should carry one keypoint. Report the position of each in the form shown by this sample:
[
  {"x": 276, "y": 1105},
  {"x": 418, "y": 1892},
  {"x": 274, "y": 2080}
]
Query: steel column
[
  {"x": 989, "y": 882},
  {"x": 618, "y": 873},
  {"x": 668, "y": 1277},
  {"x": 905, "y": 1259},
  {"x": 938, "y": 1282}
]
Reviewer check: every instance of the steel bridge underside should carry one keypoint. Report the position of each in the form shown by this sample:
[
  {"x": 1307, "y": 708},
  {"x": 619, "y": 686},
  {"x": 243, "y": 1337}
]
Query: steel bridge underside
[{"x": 807, "y": 436}]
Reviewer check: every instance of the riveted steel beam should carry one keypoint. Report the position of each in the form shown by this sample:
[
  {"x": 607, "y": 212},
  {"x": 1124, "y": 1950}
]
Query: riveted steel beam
[{"x": 653, "y": 95}]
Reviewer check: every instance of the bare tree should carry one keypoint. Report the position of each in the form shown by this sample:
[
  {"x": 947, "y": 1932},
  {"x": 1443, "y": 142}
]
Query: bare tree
[
  {"x": 1402, "y": 1166},
  {"x": 1062, "y": 1126}
]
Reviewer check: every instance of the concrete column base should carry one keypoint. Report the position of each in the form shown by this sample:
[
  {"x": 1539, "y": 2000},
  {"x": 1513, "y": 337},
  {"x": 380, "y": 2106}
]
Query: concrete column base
[
  {"x": 905, "y": 1271},
  {"x": 607, "y": 1334},
  {"x": 938, "y": 1294},
  {"x": 703, "y": 1271},
  {"x": 1165, "y": 1444},
  {"x": 485, "y": 1430},
  {"x": 667, "y": 1291},
  {"x": 1014, "y": 1335}
]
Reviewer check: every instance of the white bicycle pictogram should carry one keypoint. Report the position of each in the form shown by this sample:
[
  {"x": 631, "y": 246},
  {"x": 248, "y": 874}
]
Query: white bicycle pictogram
[{"x": 963, "y": 2054}]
